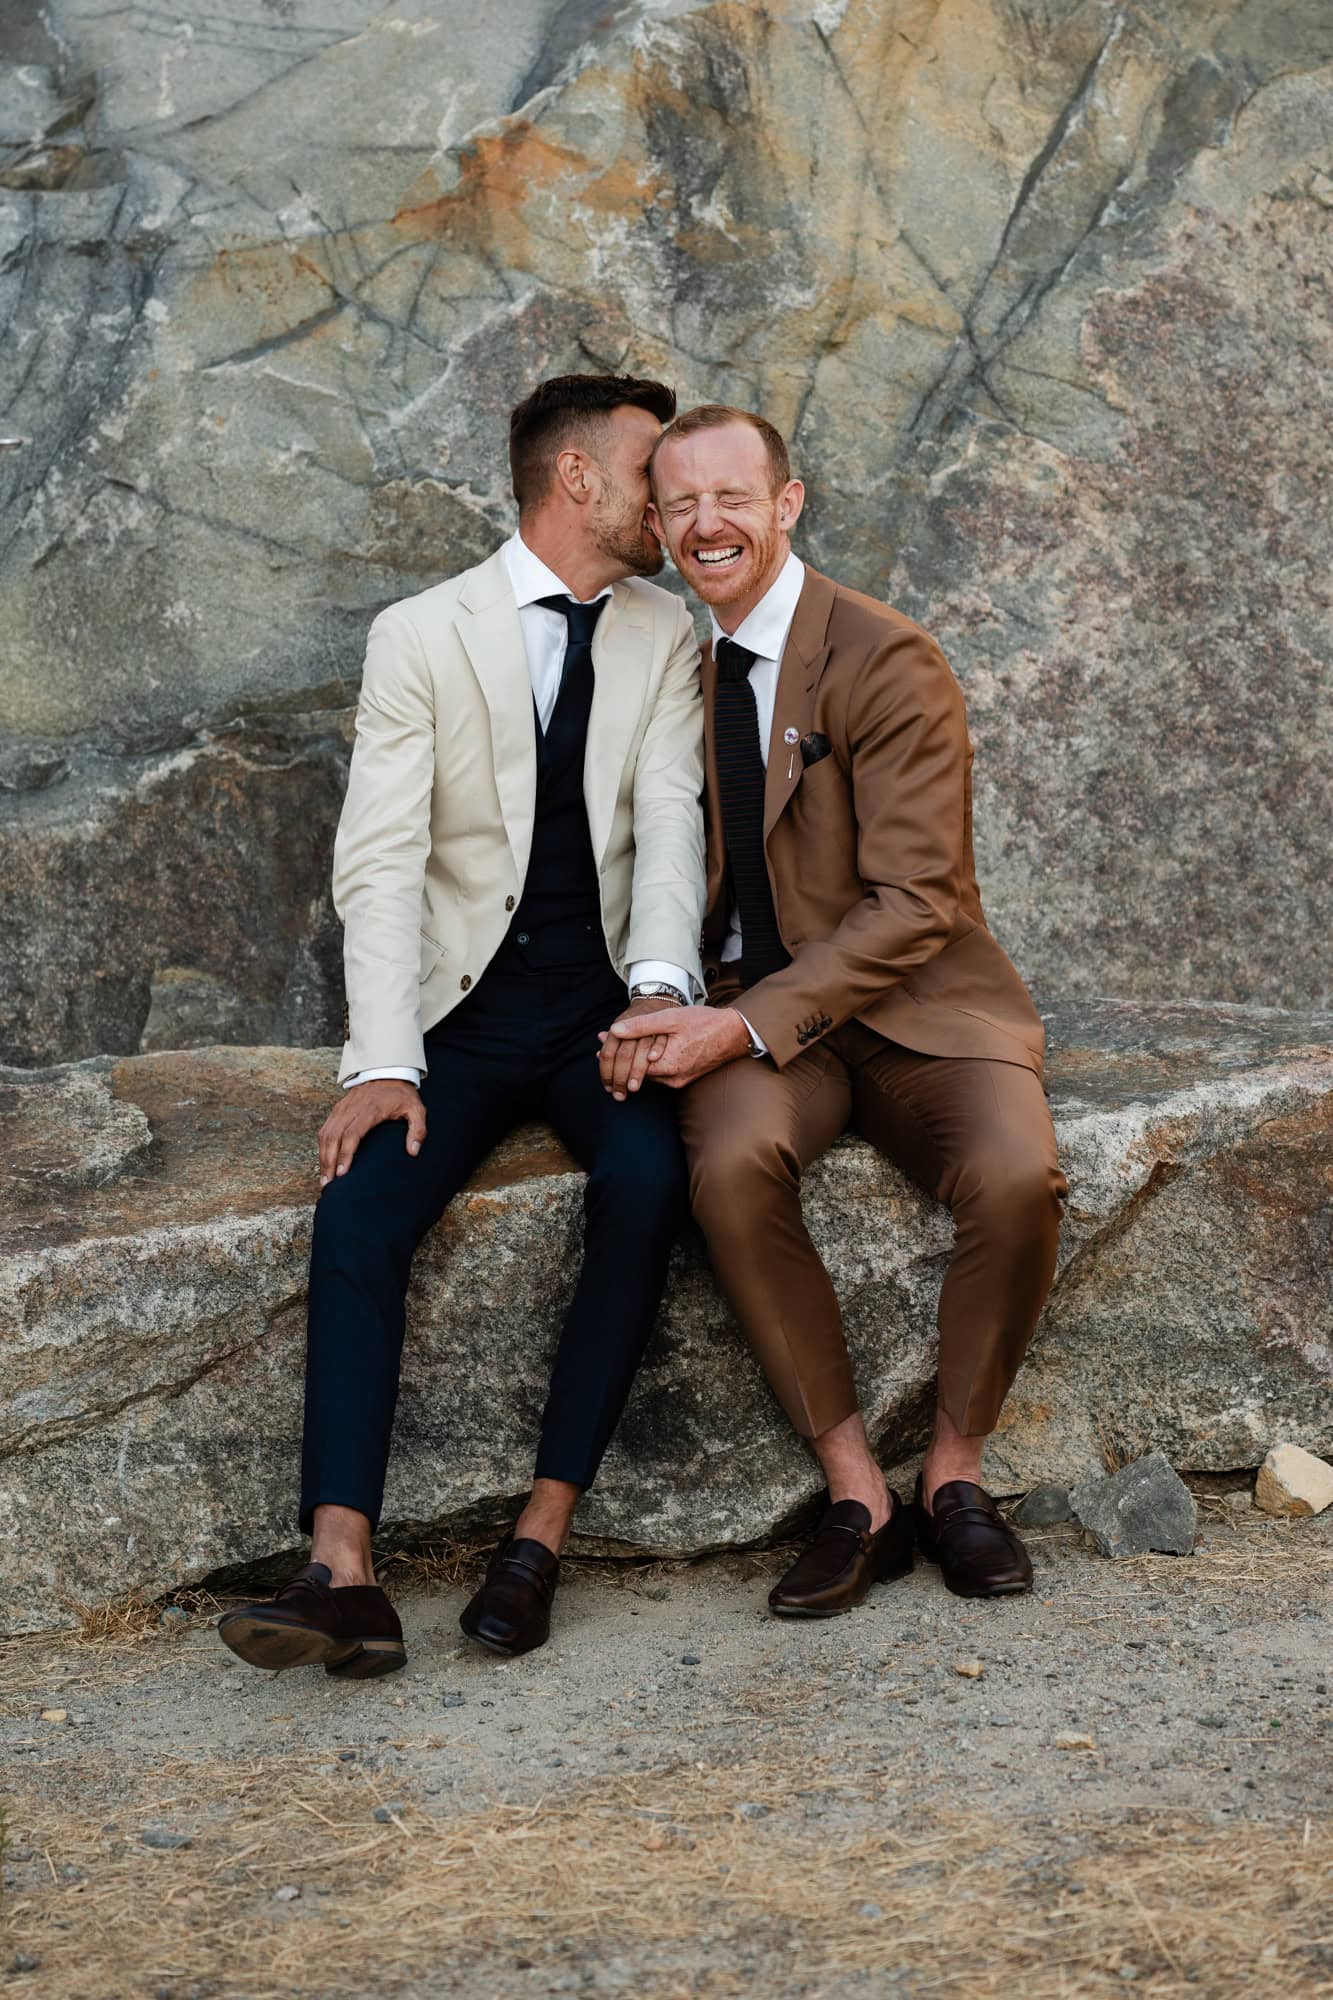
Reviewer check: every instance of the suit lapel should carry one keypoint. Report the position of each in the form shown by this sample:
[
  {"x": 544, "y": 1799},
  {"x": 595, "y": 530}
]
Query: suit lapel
[
  {"x": 622, "y": 657},
  {"x": 488, "y": 627},
  {"x": 804, "y": 658}
]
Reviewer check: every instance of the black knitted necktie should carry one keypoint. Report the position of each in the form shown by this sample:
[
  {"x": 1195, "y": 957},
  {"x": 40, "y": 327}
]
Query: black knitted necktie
[
  {"x": 568, "y": 726},
  {"x": 740, "y": 784}
]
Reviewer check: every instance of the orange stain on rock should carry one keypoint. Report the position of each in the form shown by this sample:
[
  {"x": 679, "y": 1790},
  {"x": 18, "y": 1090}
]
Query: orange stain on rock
[{"x": 501, "y": 175}]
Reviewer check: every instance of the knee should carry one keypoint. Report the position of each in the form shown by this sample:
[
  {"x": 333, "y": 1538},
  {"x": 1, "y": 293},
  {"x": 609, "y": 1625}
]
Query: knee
[
  {"x": 732, "y": 1171},
  {"x": 1013, "y": 1191},
  {"x": 350, "y": 1214},
  {"x": 643, "y": 1187}
]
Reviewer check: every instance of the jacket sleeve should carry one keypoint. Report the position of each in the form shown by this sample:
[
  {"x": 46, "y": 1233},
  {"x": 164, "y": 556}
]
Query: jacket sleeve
[
  {"x": 667, "y": 901},
  {"x": 908, "y": 746},
  {"x": 381, "y": 851}
]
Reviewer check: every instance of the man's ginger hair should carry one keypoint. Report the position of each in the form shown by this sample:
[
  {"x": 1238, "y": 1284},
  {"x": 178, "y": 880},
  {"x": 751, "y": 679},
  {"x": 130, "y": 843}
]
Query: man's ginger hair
[{"x": 714, "y": 417}]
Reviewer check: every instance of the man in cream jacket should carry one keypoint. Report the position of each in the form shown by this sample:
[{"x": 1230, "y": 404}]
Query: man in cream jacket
[{"x": 519, "y": 863}]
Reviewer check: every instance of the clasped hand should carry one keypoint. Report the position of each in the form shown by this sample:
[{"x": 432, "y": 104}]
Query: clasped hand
[{"x": 684, "y": 1044}]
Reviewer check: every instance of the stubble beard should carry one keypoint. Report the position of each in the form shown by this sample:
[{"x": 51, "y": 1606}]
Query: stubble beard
[
  {"x": 632, "y": 544},
  {"x": 743, "y": 582}
]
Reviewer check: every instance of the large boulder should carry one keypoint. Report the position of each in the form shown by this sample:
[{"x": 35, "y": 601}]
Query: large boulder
[
  {"x": 1034, "y": 290},
  {"x": 156, "y": 1227}
]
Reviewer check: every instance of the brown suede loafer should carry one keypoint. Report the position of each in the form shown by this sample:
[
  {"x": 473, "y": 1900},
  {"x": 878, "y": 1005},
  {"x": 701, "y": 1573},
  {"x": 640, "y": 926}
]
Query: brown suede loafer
[
  {"x": 978, "y": 1553},
  {"x": 835, "y": 1570},
  {"x": 352, "y": 1631},
  {"x": 511, "y": 1613}
]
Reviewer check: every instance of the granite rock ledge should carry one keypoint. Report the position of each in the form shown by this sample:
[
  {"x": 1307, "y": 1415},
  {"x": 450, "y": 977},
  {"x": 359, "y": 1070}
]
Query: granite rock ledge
[{"x": 156, "y": 1226}]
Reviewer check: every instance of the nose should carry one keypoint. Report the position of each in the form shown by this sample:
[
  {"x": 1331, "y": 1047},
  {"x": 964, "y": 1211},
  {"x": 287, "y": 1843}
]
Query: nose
[{"x": 707, "y": 517}]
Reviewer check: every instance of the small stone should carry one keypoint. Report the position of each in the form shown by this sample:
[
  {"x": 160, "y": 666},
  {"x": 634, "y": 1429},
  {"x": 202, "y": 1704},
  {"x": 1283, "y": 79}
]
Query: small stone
[
  {"x": 55, "y": 1715},
  {"x": 1211, "y": 1721},
  {"x": 1143, "y": 1506},
  {"x": 1293, "y": 1484},
  {"x": 751, "y": 1809},
  {"x": 871, "y": 1910},
  {"x": 1043, "y": 1507},
  {"x": 288, "y": 1893},
  {"x": 174, "y": 1618},
  {"x": 971, "y": 1670},
  {"x": 1128, "y": 1972},
  {"x": 387, "y": 1814},
  {"x": 690, "y": 1660},
  {"x": 1071, "y": 1740},
  {"x": 1239, "y": 1501},
  {"x": 23, "y": 1961},
  {"x": 451, "y": 1701},
  {"x": 346, "y": 1756},
  {"x": 162, "y": 1837}
]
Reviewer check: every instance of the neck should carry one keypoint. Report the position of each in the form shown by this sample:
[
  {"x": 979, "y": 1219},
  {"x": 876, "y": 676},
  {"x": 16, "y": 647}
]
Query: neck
[
  {"x": 565, "y": 548},
  {"x": 732, "y": 616}
]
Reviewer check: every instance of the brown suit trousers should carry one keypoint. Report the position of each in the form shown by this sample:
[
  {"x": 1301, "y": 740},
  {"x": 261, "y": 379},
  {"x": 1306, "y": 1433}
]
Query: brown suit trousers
[{"x": 975, "y": 1134}]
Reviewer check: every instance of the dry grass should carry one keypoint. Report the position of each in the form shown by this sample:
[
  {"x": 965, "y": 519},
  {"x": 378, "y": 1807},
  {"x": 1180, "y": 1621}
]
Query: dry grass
[
  {"x": 655, "y": 1864},
  {"x": 1280, "y": 1559}
]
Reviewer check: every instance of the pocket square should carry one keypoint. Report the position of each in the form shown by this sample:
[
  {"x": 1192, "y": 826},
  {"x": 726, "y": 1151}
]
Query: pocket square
[{"x": 813, "y": 747}]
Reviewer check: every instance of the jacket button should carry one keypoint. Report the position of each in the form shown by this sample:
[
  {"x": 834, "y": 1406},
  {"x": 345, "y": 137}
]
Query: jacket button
[
  {"x": 509, "y": 902},
  {"x": 465, "y": 981}
]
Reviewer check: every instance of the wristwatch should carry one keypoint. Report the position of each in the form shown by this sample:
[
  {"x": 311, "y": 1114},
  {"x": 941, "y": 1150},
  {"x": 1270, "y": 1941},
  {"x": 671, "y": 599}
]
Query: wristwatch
[{"x": 657, "y": 989}]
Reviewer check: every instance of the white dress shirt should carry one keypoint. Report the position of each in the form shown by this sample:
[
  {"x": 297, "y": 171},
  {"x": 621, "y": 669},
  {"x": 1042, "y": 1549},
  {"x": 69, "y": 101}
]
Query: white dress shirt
[{"x": 545, "y": 636}]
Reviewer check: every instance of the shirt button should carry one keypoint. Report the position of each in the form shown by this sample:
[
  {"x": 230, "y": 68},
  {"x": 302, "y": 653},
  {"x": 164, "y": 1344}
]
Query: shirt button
[
  {"x": 523, "y": 938},
  {"x": 509, "y": 902},
  {"x": 465, "y": 981}
]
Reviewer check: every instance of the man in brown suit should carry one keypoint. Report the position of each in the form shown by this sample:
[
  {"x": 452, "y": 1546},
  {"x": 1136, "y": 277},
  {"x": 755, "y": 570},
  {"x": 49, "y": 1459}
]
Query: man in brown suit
[{"x": 851, "y": 979}]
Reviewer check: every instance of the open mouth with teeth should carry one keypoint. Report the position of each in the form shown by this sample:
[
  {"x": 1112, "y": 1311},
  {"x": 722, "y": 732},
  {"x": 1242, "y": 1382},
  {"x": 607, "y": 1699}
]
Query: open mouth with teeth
[{"x": 723, "y": 558}]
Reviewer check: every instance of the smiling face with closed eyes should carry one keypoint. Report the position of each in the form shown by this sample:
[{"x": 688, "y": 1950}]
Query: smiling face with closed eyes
[{"x": 725, "y": 523}]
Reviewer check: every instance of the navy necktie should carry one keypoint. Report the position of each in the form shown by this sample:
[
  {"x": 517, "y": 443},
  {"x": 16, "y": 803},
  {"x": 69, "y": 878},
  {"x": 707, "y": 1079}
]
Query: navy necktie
[
  {"x": 740, "y": 784},
  {"x": 568, "y": 727}
]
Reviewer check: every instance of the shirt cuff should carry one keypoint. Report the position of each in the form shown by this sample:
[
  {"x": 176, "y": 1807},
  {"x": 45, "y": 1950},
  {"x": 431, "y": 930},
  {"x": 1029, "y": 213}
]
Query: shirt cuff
[
  {"x": 659, "y": 969},
  {"x": 760, "y": 1045},
  {"x": 372, "y": 1075}
]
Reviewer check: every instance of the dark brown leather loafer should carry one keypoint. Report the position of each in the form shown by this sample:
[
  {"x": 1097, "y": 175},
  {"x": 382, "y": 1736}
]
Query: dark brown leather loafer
[
  {"x": 978, "y": 1553},
  {"x": 834, "y": 1572},
  {"x": 352, "y": 1632},
  {"x": 511, "y": 1613}
]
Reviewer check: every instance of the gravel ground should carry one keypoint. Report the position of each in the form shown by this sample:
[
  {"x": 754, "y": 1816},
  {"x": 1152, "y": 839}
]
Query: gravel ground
[{"x": 1192, "y": 1687}]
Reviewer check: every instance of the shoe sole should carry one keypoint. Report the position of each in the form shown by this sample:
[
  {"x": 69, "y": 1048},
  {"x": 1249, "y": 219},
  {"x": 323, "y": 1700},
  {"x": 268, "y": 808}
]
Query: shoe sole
[
  {"x": 841, "y": 1610},
  {"x": 262, "y": 1643}
]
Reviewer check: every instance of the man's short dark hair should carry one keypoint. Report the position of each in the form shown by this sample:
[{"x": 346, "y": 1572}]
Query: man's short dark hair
[{"x": 566, "y": 410}]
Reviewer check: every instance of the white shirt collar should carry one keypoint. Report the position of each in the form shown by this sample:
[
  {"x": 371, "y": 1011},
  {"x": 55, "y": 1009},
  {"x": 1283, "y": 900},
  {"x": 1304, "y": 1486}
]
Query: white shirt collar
[
  {"x": 764, "y": 630},
  {"x": 530, "y": 576}
]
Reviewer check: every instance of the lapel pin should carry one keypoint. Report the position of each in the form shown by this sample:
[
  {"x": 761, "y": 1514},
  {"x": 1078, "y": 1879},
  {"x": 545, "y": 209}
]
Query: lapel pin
[{"x": 791, "y": 736}]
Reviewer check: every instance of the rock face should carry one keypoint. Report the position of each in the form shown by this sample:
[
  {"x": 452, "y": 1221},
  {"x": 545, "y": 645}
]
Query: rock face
[
  {"x": 156, "y": 1227},
  {"x": 1039, "y": 294}
]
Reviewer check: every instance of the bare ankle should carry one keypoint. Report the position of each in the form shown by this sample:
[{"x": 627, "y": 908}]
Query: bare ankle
[
  {"x": 548, "y": 1515},
  {"x": 340, "y": 1539},
  {"x": 348, "y": 1568}
]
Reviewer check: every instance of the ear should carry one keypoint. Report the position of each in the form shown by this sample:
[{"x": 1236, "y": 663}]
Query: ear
[
  {"x": 655, "y": 522},
  {"x": 572, "y": 470},
  {"x": 790, "y": 502}
]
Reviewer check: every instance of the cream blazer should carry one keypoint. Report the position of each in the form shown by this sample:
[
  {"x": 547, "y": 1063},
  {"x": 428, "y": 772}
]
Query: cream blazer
[{"x": 433, "y": 843}]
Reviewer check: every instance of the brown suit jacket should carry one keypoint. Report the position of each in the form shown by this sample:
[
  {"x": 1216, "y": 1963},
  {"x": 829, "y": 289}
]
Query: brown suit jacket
[{"x": 870, "y": 848}]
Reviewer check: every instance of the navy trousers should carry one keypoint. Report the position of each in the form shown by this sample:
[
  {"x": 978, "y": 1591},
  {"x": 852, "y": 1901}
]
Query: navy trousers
[{"x": 522, "y": 1045}]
